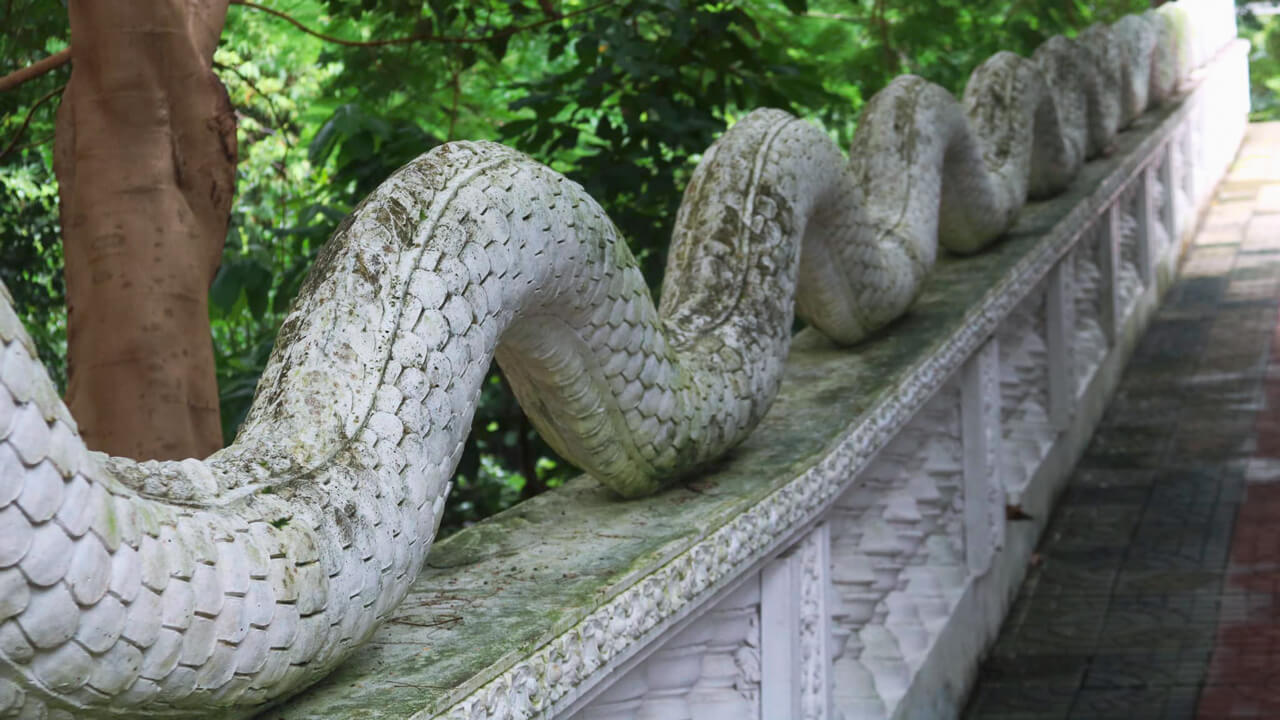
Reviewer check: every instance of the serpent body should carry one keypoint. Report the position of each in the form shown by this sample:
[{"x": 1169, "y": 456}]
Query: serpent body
[{"x": 163, "y": 589}]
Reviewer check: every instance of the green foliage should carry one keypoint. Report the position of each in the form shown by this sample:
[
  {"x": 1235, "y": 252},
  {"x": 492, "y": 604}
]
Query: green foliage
[
  {"x": 645, "y": 90},
  {"x": 31, "y": 256},
  {"x": 1263, "y": 33},
  {"x": 30, "y": 248},
  {"x": 621, "y": 95},
  {"x": 863, "y": 44}
]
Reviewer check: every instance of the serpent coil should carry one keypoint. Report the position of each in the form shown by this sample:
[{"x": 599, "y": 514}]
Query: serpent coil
[{"x": 164, "y": 589}]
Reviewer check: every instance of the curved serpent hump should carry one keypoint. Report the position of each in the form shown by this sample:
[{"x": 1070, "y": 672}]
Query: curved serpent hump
[
  {"x": 170, "y": 589},
  {"x": 1102, "y": 86},
  {"x": 1178, "y": 21},
  {"x": 1164, "y": 63},
  {"x": 1068, "y": 72},
  {"x": 1136, "y": 41}
]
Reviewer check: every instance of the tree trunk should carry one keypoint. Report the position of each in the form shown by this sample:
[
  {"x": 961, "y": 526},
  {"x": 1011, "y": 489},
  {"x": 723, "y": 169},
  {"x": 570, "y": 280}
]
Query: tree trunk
[{"x": 145, "y": 155}]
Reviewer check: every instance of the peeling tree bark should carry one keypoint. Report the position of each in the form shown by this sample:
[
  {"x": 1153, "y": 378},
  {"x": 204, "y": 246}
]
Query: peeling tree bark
[{"x": 145, "y": 155}]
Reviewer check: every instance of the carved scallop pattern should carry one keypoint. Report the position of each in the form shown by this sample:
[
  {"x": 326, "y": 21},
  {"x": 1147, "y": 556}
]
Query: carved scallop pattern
[
  {"x": 729, "y": 687},
  {"x": 1130, "y": 277},
  {"x": 897, "y": 559},
  {"x": 1024, "y": 392},
  {"x": 1090, "y": 340},
  {"x": 1158, "y": 197}
]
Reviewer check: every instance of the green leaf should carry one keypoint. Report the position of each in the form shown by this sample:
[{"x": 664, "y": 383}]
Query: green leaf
[
  {"x": 226, "y": 288},
  {"x": 257, "y": 288}
]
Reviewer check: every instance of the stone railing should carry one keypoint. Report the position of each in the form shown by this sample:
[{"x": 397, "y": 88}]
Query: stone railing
[{"x": 853, "y": 558}]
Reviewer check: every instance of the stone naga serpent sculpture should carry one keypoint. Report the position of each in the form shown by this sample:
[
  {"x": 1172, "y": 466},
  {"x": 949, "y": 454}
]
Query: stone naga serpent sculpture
[{"x": 166, "y": 589}]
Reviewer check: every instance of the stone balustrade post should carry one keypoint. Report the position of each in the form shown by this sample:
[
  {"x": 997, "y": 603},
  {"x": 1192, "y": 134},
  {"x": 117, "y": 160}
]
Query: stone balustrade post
[
  {"x": 1108, "y": 239},
  {"x": 981, "y": 432},
  {"x": 795, "y": 636},
  {"x": 1170, "y": 211}
]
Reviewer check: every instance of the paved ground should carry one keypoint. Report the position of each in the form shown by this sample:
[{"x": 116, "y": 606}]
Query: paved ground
[{"x": 1157, "y": 588}]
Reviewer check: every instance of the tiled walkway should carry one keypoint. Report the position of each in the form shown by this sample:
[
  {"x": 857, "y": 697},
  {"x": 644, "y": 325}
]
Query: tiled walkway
[{"x": 1156, "y": 588}]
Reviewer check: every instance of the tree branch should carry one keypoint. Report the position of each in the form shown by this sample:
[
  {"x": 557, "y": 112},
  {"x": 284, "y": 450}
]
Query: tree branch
[
  {"x": 35, "y": 70},
  {"x": 890, "y": 58},
  {"x": 457, "y": 94},
  {"x": 27, "y": 120},
  {"x": 423, "y": 37},
  {"x": 34, "y": 143}
]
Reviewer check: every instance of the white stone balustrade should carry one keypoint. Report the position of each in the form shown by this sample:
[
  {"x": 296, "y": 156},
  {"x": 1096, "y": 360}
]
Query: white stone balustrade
[{"x": 861, "y": 575}]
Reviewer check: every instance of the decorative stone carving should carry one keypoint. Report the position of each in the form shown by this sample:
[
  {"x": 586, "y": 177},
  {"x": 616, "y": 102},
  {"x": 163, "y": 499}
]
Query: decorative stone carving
[
  {"x": 883, "y": 420},
  {"x": 670, "y": 674},
  {"x": 896, "y": 537},
  {"x": 795, "y": 640},
  {"x": 796, "y": 504},
  {"x": 729, "y": 687},
  {"x": 1151, "y": 239},
  {"x": 269, "y": 561},
  {"x": 1060, "y": 307},
  {"x": 709, "y": 670},
  {"x": 1090, "y": 338},
  {"x": 1026, "y": 427},
  {"x": 815, "y": 620},
  {"x": 1130, "y": 280},
  {"x": 621, "y": 701}
]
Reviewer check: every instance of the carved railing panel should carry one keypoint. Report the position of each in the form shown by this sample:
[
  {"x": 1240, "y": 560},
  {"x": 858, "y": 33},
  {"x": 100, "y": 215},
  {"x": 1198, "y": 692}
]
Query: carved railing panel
[
  {"x": 1087, "y": 284},
  {"x": 729, "y": 686},
  {"x": 1025, "y": 419},
  {"x": 1129, "y": 212},
  {"x": 897, "y": 558},
  {"x": 1152, "y": 239}
]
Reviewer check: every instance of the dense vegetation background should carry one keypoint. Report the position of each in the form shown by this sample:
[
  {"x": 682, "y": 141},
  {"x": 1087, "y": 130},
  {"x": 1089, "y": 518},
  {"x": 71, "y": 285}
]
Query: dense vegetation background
[
  {"x": 1260, "y": 24},
  {"x": 621, "y": 95}
]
